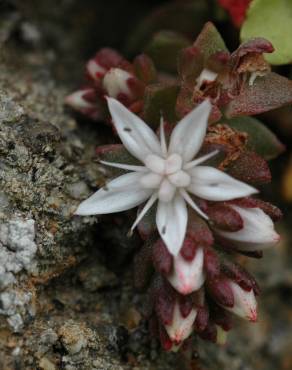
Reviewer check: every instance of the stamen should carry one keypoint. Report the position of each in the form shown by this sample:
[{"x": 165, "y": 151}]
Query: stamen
[
  {"x": 146, "y": 208},
  {"x": 200, "y": 160},
  {"x": 128, "y": 167},
  {"x": 162, "y": 137},
  {"x": 192, "y": 204}
]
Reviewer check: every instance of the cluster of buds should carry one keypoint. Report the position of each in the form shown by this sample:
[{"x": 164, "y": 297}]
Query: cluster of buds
[
  {"x": 200, "y": 170},
  {"x": 109, "y": 74}
]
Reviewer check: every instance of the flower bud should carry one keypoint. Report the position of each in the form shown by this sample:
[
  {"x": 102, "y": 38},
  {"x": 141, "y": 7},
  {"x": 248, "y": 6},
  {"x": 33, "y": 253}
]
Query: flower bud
[
  {"x": 180, "y": 327},
  {"x": 84, "y": 101},
  {"x": 257, "y": 233},
  {"x": 115, "y": 82},
  {"x": 187, "y": 276},
  {"x": 206, "y": 76},
  {"x": 245, "y": 304}
]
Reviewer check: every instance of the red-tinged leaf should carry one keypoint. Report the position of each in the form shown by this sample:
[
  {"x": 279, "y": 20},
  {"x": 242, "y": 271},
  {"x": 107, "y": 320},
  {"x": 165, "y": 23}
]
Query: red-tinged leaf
[
  {"x": 160, "y": 99},
  {"x": 255, "y": 45},
  {"x": 164, "y": 307},
  {"x": 185, "y": 305},
  {"x": 250, "y": 168},
  {"x": 164, "y": 48},
  {"x": 202, "y": 319},
  {"x": 190, "y": 64},
  {"x": 199, "y": 231},
  {"x": 189, "y": 249},
  {"x": 221, "y": 291},
  {"x": 145, "y": 69},
  {"x": 211, "y": 263},
  {"x": 274, "y": 212},
  {"x": 260, "y": 139},
  {"x": 268, "y": 92},
  {"x": 240, "y": 276},
  {"x": 209, "y": 41},
  {"x": 147, "y": 226},
  {"x": 224, "y": 217},
  {"x": 162, "y": 259}
]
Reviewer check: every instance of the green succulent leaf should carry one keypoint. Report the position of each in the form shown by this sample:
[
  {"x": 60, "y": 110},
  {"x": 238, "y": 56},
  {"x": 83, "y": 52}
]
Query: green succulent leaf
[
  {"x": 210, "y": 41},
  {"x": 271, "y": 19},
  {"x": 260, "y": 139},
  {"x": 160, "y": 99},
  {"x": 164, "y": 49}
]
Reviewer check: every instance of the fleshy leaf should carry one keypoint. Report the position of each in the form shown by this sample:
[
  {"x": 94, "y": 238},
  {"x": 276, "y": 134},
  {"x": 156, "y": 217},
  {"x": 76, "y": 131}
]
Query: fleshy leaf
[
  {"x": 250, "y": 168},
  {"x": 209, "y": 41},
  {"x": 164, "y": 48},
  {"x": 268, "y": 92},
  {"x": 145, "y": 69},
  {"x": 260, "y": 139},
  {"x": 160, "y": 99},
  {"x": 271, "y": 19}
]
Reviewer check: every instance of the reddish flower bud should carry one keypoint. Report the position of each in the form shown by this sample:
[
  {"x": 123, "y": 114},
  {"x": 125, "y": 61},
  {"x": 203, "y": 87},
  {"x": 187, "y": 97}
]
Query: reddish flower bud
[
  {"x": 180, "y": 327},
  {"x": 187, "y": 277}
]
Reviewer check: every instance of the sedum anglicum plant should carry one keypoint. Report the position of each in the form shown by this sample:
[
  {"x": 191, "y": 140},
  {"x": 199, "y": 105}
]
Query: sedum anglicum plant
[{"x": 194, "y": 175}]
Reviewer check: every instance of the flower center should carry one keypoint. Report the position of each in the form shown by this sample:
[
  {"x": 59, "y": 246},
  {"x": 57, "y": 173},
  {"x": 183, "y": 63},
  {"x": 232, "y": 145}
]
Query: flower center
[{"x": 165, "y": 175}]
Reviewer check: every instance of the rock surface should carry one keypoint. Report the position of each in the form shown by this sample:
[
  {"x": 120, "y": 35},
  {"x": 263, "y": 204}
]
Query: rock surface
[{"x": 66, "y": 294}]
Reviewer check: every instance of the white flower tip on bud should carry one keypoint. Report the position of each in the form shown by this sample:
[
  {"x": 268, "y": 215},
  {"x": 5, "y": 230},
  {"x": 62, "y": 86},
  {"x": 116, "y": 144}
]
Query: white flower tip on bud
[
  {"x": 258, "y": 230},
  {"x": 76, "y": 100},
  {"x": 221, "y": 336},
  {"x": 206, "y": 76},
  {"x": 95, "y": 70},
  {"x": 115, "y": 82},
  {"x": 180, "y": 328},
  {"x": 245, "y": 304},
  {"x": 188, "y": 276}
]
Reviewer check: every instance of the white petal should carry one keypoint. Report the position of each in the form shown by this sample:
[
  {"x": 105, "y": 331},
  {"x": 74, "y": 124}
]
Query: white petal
[
  {"x": 188, "y": 135},
  {"x": 200, "y": 160},
  {"x": 180, "y": 179},
  {"x": 115, "y": 82},
  {"x": 145, "y": 209},
  {"x": 76, "y": 100},
  {"x": 245, "y": 304},
  {"x": 127, "y": 167},
  {"x": 192, "y": 204},
  {"x": 171, "y": 220},
  {"x": 162, "y": 138},
  {"x": 119, "y": 195},
  {"x": 137, "y": 137},
  {"x": 166, "y": 191},
  {"x": 187, "y": 276},
  {"x": 151, "y": 180},
  {"x": 212, "y": 184},
  {"x": 258, "y": 230},
  {"x": 180, "y": 328},
  {"x": 173, "y": 164}
]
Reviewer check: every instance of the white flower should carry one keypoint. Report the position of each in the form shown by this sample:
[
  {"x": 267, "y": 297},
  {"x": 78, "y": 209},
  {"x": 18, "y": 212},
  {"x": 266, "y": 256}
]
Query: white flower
[
  {"x": 245, "y": 304},
  {"x": 206, "y": 76},
  {"x": 116, "y": 81},
  {"x": 181, "y": 327},
  {"x": 187, "y": 276},
  {"x": 257, "y": 233},
  {"x": 167, "y": 174}
]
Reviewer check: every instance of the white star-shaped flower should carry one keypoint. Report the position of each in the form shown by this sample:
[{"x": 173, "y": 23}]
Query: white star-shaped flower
[{"x": 168, "y": 174}]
